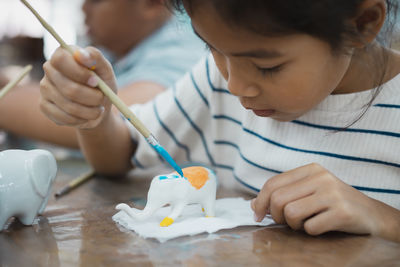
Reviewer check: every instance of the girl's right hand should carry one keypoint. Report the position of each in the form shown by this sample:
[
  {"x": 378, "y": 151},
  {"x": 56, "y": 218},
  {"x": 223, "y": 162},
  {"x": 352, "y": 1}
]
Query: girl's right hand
[{"x": 68, "y": 89}]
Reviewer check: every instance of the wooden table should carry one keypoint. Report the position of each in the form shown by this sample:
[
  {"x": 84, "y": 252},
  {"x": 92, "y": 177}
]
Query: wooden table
[{"x": 77, "y": 230}]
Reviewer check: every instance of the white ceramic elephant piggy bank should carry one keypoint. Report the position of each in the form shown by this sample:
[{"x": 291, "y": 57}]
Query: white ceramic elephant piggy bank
[
  {"x": 25, "y": 183},
  {"x": 198, "y": 185}
]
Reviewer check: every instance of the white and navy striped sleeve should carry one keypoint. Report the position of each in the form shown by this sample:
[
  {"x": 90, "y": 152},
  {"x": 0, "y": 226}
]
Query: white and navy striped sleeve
[{"x": 179, "y": 118}]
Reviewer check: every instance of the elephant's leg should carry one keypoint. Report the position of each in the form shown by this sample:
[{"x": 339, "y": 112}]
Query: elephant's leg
[
  {"x": 176, "y": 211},
  {"x": 209, "y": 207},
  {"x": 27, "y": 219}
]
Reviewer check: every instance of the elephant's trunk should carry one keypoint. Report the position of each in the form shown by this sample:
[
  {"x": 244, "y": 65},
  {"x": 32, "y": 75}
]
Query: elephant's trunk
[{"x": 135, "y": 213}]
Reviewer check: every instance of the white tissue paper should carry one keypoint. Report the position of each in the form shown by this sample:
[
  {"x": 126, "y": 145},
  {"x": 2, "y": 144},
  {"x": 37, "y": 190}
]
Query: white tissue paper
[{"x": 230, "y": 213}]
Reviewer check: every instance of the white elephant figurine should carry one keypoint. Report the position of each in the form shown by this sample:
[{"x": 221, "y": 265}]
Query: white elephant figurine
[
  {"x": 199, "y": 185},
  {"x": 25, "y": 183}
]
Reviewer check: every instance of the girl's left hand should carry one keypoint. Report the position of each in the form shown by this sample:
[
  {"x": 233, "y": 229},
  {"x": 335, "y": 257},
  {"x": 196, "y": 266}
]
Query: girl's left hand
[{"x": 313, "y": 199}]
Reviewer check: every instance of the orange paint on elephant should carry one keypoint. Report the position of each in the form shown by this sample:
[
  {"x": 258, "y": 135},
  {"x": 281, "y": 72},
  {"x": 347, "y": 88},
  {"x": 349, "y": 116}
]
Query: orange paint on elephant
[{"x": 197, "y": 176}]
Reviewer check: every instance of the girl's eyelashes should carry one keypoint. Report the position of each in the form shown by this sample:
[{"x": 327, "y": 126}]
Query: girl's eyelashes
[
  {"x": 264, "y": 71},
  {"x": 272, "y": 70}
]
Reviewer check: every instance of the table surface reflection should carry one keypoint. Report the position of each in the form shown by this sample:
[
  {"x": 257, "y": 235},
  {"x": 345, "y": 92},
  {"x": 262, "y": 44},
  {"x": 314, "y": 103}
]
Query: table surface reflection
[{"x": 77, "y": 230}]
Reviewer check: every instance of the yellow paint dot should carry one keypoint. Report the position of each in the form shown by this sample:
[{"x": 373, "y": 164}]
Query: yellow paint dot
[
  {"x": 166, "y": 222},
  {"x": 76, "y": 55}
]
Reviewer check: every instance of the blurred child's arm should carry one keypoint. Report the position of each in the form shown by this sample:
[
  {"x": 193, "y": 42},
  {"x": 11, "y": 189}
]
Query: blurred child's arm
[
  {"x": 140, "y": 92},
  {"x": 313, "y": 199},
  {"x": 24, "y": 117},
  {"x": 69, "y": 97},
  {"x": 108, "y": 147}
]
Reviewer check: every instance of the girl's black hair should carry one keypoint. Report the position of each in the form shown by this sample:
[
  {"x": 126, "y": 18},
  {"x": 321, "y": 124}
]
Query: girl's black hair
[{"x": 326, "y": 20}]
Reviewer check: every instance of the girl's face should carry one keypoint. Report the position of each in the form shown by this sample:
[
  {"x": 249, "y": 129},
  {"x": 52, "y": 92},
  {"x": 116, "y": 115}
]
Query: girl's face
[{"x": 277, "y": 77}]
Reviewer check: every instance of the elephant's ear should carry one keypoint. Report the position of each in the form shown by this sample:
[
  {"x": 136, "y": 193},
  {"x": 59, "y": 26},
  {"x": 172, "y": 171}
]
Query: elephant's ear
[{"x": 42, "y": 170}]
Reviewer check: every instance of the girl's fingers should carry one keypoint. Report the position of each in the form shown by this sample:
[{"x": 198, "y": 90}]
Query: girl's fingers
[
  {"x": 80, "y": 66},
  {"x": 262, "y": 202},
  {"x": 63, "y": 62},
  {"x": 285, "y": 195},
  {"x": 59, "y": 116},
  {"x": 67, "y": 89},
  {"x": 297, "y": 212},
  {"x": 349, "y": 211},
  {"x": 103, "y": 67},
  {"x": 335, "y": 206},
  {"x": 73, "y": 109},
  {"x": 73, "y": 91},
  {"x": 83, "y": 57},
  {"x": 321, "y": 223}
]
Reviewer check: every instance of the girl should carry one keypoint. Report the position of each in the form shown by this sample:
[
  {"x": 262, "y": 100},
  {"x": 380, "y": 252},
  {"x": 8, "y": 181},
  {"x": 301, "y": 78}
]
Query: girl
[{"x": 298, "y": 101}]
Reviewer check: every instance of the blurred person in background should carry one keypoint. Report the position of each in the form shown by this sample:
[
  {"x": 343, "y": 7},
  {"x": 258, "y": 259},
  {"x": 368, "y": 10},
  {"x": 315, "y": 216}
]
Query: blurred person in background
[{"x": 147, "y": 46}]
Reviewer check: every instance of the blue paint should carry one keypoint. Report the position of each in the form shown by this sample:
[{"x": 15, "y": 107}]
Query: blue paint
[
  {"x": 174, "y": 176},
  {"x": 168, "y": 158}
]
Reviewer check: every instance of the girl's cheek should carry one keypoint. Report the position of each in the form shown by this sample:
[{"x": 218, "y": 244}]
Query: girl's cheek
[{"x": 220, "y": 61}]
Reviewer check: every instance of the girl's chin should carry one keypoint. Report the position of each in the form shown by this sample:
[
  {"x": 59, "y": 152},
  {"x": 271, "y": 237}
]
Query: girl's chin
[
  {"x": 264, "y": 113},
  {"x": 276, "y": 116}
]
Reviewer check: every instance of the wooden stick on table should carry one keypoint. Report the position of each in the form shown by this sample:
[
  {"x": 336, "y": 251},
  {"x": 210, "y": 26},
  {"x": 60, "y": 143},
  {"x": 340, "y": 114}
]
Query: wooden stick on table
[{"x": 75, "y": 183}]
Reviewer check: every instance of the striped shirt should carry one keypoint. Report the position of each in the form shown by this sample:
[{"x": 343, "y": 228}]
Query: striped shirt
[{"x": 198, "y": 120}]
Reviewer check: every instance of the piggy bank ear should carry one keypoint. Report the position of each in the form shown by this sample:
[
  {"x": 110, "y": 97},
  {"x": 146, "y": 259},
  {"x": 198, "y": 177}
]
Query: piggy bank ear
[{"x": 42, "y": 170}]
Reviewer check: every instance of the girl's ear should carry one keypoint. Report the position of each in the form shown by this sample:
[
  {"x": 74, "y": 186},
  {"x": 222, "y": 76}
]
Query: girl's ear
[{"x": 369, "y": 20}]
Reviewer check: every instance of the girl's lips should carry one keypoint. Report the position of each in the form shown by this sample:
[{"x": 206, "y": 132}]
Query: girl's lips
[{"x": 264, "y": 113}]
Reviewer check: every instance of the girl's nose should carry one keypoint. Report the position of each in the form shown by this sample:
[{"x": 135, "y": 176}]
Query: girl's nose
[
  {"x": 240, "y": 87},
  {"x": 239, "y": 84}
]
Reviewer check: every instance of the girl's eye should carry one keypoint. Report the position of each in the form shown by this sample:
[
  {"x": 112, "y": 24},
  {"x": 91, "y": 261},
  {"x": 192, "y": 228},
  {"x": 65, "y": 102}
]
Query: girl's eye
[{"x": 265, "y": 71}]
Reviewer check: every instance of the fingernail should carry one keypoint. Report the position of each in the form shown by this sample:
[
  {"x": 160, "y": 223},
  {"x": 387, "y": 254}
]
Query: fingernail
[
  {"x": 93, "y": 81},
  {"x": 83, "y": 56},
  {"x": 102, "y": 109}
]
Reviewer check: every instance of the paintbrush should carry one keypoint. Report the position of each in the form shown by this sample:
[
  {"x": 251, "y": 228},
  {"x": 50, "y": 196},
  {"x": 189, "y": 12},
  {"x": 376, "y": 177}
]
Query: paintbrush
[
  {"x": 75, "y": 183},
  {"x": 10, "y": 85},
  {"x": 113, "y": 97}
]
